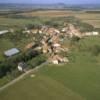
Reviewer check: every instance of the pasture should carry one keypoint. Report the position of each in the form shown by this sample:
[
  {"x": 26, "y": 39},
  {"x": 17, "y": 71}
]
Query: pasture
[
  {"x": 13, "y": 22},
  {"x": 5, "y": 44},
  {"x": 77, "y": 80}
]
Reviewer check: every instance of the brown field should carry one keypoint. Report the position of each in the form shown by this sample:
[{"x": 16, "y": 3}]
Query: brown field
[
  {"x": 49, "y": 13},
  {"x": 93, "y": 19},
  {"x": 95, "y": 23}
]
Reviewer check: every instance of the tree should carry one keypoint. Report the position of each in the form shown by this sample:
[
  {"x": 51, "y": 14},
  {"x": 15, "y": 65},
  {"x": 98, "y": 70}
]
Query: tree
[{"x": 95, "y": 50}]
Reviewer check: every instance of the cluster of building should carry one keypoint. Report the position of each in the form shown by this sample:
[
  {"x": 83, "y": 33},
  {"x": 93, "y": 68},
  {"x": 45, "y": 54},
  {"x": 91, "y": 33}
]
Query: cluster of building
[
  {"x": 51, "y": 41},
  {"x": 71, "y": 31},
  {"x": 51, "y": 44}
]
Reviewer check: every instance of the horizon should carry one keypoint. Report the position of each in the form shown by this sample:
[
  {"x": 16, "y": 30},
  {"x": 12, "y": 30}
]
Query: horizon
[{"x": 67, "y": 2}]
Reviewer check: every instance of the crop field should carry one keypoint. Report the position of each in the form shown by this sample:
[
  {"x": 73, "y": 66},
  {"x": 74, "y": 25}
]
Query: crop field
[
  {"x": 77, "y": 80},
  {"x": 91, "y": 18},
  {"x": 49, "y": 13}
]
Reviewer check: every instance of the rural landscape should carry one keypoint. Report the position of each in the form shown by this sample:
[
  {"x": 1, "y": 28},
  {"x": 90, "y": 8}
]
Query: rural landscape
[{"x": 49, "y": 52}]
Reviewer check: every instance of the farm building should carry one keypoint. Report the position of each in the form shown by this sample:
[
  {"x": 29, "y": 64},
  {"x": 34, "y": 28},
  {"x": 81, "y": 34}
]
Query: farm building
[
  {"x": 91, "y": 34},
  {"x": 3, "y": 32},
  {"x": 22, "y": 66},
  {"x": 11, "y": 52}
]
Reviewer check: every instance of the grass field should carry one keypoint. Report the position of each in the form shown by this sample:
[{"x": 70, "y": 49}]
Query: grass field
[
  {"x": 13, "y": 22},
  {"x": 5, "y": 44},
  {"x": 78, "y": 80}
]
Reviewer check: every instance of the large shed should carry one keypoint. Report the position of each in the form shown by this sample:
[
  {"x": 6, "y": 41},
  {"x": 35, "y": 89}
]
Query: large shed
[
  {"x": 3, "y": 32},
  {"x": 11, "y": 52}
]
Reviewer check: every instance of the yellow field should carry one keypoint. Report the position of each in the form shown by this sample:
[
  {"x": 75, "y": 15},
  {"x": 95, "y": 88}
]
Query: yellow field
[
  {"x": 49, "y": 13},
  {"x": 93, "y": 19}
]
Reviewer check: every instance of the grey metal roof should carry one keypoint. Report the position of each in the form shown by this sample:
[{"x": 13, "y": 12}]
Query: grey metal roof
[{"x": 11, "y": 52}]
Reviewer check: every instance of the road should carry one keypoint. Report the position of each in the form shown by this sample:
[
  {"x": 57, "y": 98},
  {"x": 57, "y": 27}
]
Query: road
[{"x": 21, "y": 77}]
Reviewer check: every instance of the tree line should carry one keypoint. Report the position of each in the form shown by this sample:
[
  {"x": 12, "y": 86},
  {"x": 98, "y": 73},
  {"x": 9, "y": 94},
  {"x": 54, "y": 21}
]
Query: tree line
[{"x": 11, "y": 63}]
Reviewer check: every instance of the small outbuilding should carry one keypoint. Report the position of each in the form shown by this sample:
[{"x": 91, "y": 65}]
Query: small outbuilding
[
  {"x": 11, "y": 52},
  {"x": 22, "y": 67},
  {"x": 3, "y": 32}
]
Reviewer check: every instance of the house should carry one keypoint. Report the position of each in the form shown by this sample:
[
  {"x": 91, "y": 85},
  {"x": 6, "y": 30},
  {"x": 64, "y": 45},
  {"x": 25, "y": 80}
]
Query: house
[
  {"x": 40, "y": 32},
  {"x": 38, "y": 48},
  {"x": 55, "y": 61},
  {"x": 30, "y": 45},
  {"x": 27, "y": 31},
  {"x": 45, "y": 48},
  {"x": 57, "y": 31},
  {"x": 11, "y": 52},
  {"x": 91, "y": 34},
  {"x": 64, "y": 30},
  {"x": 88, "y": 34},
  {"x": 34, "y": 31},
  {"x": 22, "y": 67},
  {"x": 52, "y": 31},
  {"x": 3, "y": 32},
  {"x": 56, "y": 45},
  {"x": 95, "y": 33}
]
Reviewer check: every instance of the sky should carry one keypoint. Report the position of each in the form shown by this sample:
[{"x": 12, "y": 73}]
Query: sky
[{"x": 52, "y": 1}]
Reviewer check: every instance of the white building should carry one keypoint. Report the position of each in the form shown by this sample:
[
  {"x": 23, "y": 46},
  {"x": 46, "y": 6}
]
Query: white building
[
  {"x": 91, "y": 34},
  {"x": 55, "y": 62},
  {"x": 56, "y": 45},
  {"x": 22, "y": 67},
  {"x": 3, "y": 32},
  {"x": 95, "y": 33}
]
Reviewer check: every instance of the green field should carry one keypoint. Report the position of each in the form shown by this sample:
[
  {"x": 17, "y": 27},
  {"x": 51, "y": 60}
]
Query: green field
[
  {"x": 13, "y": 22},
  {"x": 78, "y": 80},
  {"x": 5, "y": 44}
]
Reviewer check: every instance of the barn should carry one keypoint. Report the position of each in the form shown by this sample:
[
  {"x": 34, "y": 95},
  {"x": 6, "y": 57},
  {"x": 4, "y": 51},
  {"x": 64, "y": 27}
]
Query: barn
[{"x": 11, "y": 52}]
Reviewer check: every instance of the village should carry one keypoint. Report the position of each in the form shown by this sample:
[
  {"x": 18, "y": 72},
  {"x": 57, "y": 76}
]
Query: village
[
  {"x": 49, "y": 42},
  {"x": 52, "y": 41},
  {"x": 49, "y": 50}
]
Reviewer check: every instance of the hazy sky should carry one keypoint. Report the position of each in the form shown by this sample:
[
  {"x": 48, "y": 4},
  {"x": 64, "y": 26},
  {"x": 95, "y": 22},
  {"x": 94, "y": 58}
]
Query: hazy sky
[{"x": 52, "y": 1}]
